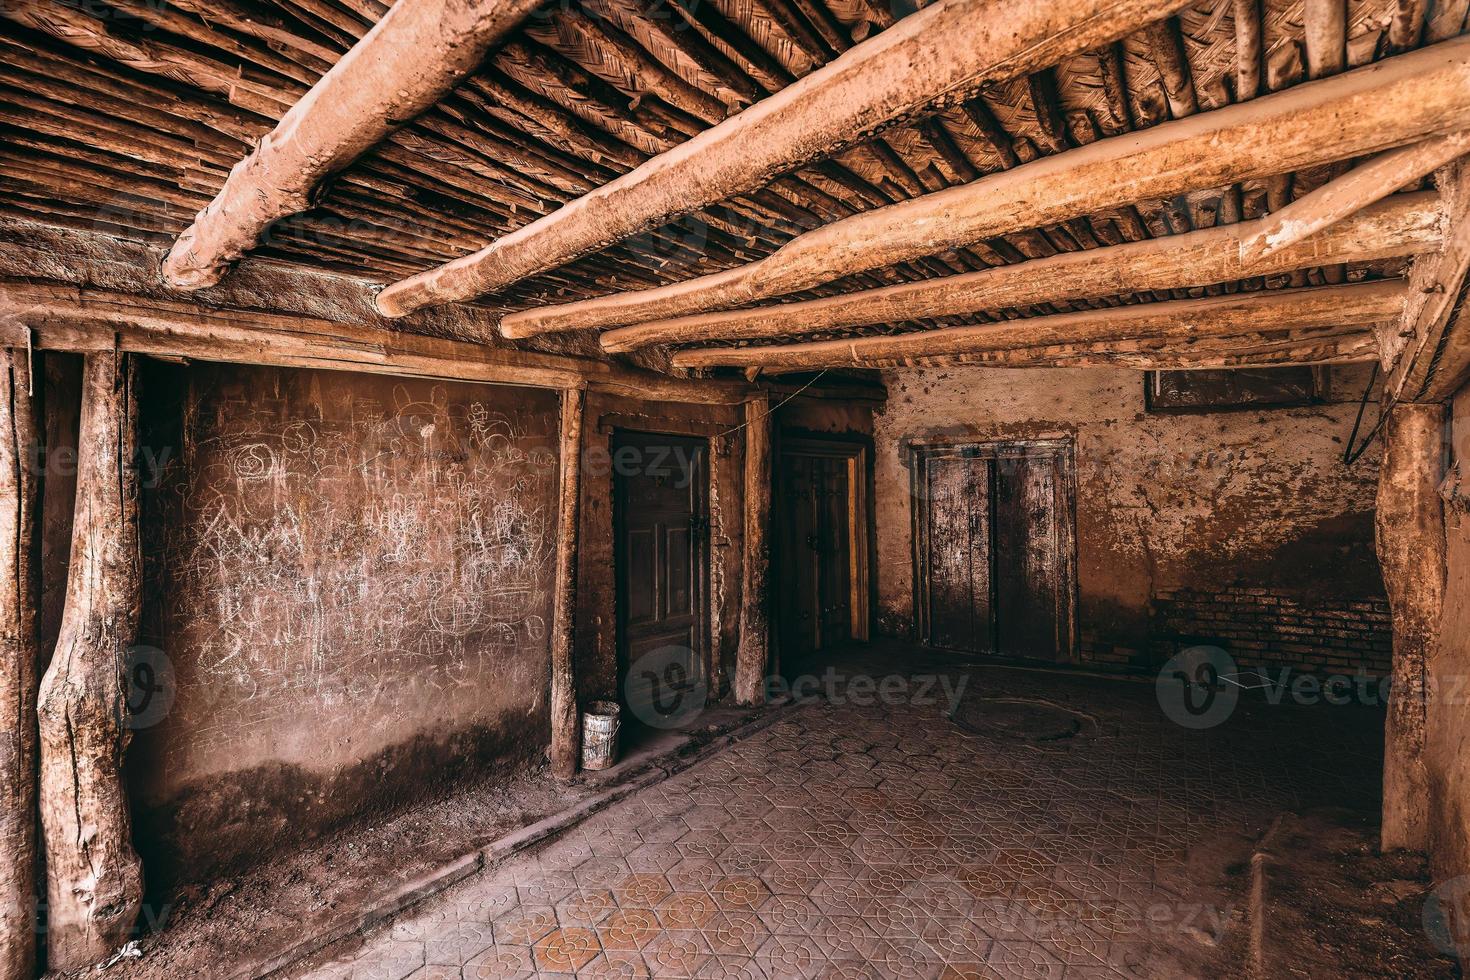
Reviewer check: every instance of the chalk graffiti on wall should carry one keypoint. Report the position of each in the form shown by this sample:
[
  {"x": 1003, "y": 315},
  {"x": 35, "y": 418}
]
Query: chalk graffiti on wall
[{"x": 376, "y": 544}]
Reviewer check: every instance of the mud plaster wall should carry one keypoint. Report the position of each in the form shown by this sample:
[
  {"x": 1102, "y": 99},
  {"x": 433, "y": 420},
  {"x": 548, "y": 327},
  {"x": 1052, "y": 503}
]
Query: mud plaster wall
[
  {"x": 597, "y": 628},
  {"x": 1165, "y": 502},
  {"x": 1447, "y": 731},
  {"x": 350, "y": 577}
]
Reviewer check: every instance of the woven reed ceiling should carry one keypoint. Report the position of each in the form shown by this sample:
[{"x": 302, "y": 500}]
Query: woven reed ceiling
[{"x": 124, "y": 117}]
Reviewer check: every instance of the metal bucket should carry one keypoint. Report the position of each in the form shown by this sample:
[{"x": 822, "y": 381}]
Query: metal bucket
[{"x": 600, "y": 734}]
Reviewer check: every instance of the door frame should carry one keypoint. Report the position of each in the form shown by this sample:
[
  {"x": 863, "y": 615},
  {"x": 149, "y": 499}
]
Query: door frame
[
  {"x": 857, "y": 453},
  {"x": 1064, "y": 449},
  {"x": 709, "y": 643}
]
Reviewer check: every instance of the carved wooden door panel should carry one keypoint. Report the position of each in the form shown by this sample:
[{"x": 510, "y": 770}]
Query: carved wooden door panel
[{"x": 993, "y": 550}]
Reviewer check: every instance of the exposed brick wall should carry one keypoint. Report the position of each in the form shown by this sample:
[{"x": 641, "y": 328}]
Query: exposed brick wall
[{"x": 1262, "y": 628}]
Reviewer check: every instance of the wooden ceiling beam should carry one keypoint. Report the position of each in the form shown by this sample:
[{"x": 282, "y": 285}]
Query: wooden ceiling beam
[
  {"x": 404, "y": 65},
  {"x": 1298, "y": 347},
  {"x": 1368, "y": 110},
  {"x": 938, "y": 56},
  {"x": 1347, "y": 195},
  {"x": 1182, "y": 322},
  {"x": 1403, "y": 225},
  {"x": 1428, "y": 348}
]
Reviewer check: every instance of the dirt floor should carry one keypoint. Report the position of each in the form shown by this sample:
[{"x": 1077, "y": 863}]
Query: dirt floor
[{"x": 935, "y": 825}]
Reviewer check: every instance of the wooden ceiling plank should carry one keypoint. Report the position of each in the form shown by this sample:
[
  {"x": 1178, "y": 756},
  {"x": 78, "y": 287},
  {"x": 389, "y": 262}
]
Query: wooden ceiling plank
[
  {"x": 943, "y": 52},
  {"x": 1181, "y": 321},
  {"x": 405, "y": 64},
  {"x": 1370, "y": 109}
]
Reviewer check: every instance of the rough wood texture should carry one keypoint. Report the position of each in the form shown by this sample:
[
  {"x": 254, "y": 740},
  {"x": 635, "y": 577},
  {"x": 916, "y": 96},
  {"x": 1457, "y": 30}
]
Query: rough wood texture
[
  {"x": 565, "y": 727},
  {"x": 94, "y": 885},
  {"x": 938, "y": 56},
  {"x": 1179, "y": 321},
  {"x": 1348, "y": 194},
  {"x": 1406, "y": 224},
  {"x": 753, "y": 654},
  {"x": 1411, "y": 551},
  {"x": 19, "y": 656},
  {"x": 1423, "y": 366},
  {"x": 67, "y": 318},
  {"x": 1370, "y": 109},
  {"x": 404, "y": 65}
]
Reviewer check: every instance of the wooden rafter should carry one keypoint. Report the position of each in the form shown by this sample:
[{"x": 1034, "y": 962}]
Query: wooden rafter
[
  {"x": 1182, "y": 322},
  {"x": 1368, "y": 110},
  {"x": 938, "y": 56},
  {"x": 1423, "y": 364},
  {"x": 1406, "y": 224},
  {"x": 404, "y": 65}
]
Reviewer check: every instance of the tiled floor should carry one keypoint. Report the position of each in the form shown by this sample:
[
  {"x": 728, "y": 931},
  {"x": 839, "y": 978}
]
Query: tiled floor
[{"x": 883, "y": 840}]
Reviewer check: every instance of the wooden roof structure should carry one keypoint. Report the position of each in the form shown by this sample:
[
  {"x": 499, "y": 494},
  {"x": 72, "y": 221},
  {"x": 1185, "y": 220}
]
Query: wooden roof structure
[{"x": 124, "y": 118}]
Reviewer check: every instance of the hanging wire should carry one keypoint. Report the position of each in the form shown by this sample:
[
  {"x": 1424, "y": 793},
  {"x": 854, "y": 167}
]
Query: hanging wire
[
  {"x": 772, "y": 410},
  {"x": 1351, "y": 454}
]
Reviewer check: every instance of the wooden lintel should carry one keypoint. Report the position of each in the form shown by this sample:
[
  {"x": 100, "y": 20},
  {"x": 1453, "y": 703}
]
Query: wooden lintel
[
  {"x": 410, "y": 59},
  {"x": 940, "y": 55},
  {"x": 1405, "y": 224},
  {"x": 1181, "y": 321},
  {"x": 1367, "y": 110},
  {"x": 78, "y": 319}
]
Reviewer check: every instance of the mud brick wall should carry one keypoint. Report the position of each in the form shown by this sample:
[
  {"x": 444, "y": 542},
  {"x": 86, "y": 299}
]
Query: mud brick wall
[
  {"x": 1196, "y": 504},
  {"x": 1264, "y": 629},
  {"x": 348, "y": 582}
]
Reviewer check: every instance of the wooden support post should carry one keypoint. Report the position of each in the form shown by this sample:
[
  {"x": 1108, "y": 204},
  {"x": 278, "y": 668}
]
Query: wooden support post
[
  {"x": 1411, "y": 551},
  {"x": 95, "y": 879},
  {"x": 565, "y": 729},
  {"x": 19, "y": 652},
  {"x": 755, "y": 626}
]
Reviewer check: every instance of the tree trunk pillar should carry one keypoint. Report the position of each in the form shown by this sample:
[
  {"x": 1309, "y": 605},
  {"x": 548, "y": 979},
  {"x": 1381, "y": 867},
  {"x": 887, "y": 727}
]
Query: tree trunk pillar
[
  {"x": 565, "y": 730},
  {"x": 19, "y": 653},
  {"x": 1411, "y": 551},
  {"x": 755, "y": 627},
  {"x": 94, "y": 885}
]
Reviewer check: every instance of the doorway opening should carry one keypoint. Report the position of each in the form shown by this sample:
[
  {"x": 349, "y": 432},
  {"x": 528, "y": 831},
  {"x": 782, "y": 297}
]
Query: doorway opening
[
  {"x": 995, "y": 566},
  {"x": 822, "y": 553},
  {"x": 661, "y": 554}
]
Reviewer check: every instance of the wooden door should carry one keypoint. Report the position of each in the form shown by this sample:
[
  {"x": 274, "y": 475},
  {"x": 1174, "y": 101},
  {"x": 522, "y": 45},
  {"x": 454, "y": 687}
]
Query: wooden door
[
  {"x": 819, "y": 563},
  {"x": 660, "y": 527},
  {"x": 993, "y": 549}
]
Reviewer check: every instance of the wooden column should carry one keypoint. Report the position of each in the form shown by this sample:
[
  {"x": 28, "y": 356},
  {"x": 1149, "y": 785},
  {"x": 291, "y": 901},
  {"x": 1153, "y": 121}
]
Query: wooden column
[
  {"x": 1411, "y": 551},
  {"x": 95, "y": 879},
  {"x": 565, "y": 729},
  {"x": 755, "y": 626},
  {"x": 19, "y": 650}
]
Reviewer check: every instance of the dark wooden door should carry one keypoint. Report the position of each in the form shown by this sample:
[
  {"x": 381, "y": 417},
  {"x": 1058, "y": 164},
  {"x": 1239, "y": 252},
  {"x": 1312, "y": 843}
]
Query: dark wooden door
[
  {"x": 994, "y": 556},
  {"x": 817, "y": 574},
  {"x": 660, "y": 491}
]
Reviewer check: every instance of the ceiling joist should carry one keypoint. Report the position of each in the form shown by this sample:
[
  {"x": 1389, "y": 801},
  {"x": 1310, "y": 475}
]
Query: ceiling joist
[
  {"x": 938, "y": 56},
  {"x": 1368, "y": 110},
  {"x": 404, "y": 65},
  {"x": 1403, "y": 225},
  {"x": 1182, "y": 322}
]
